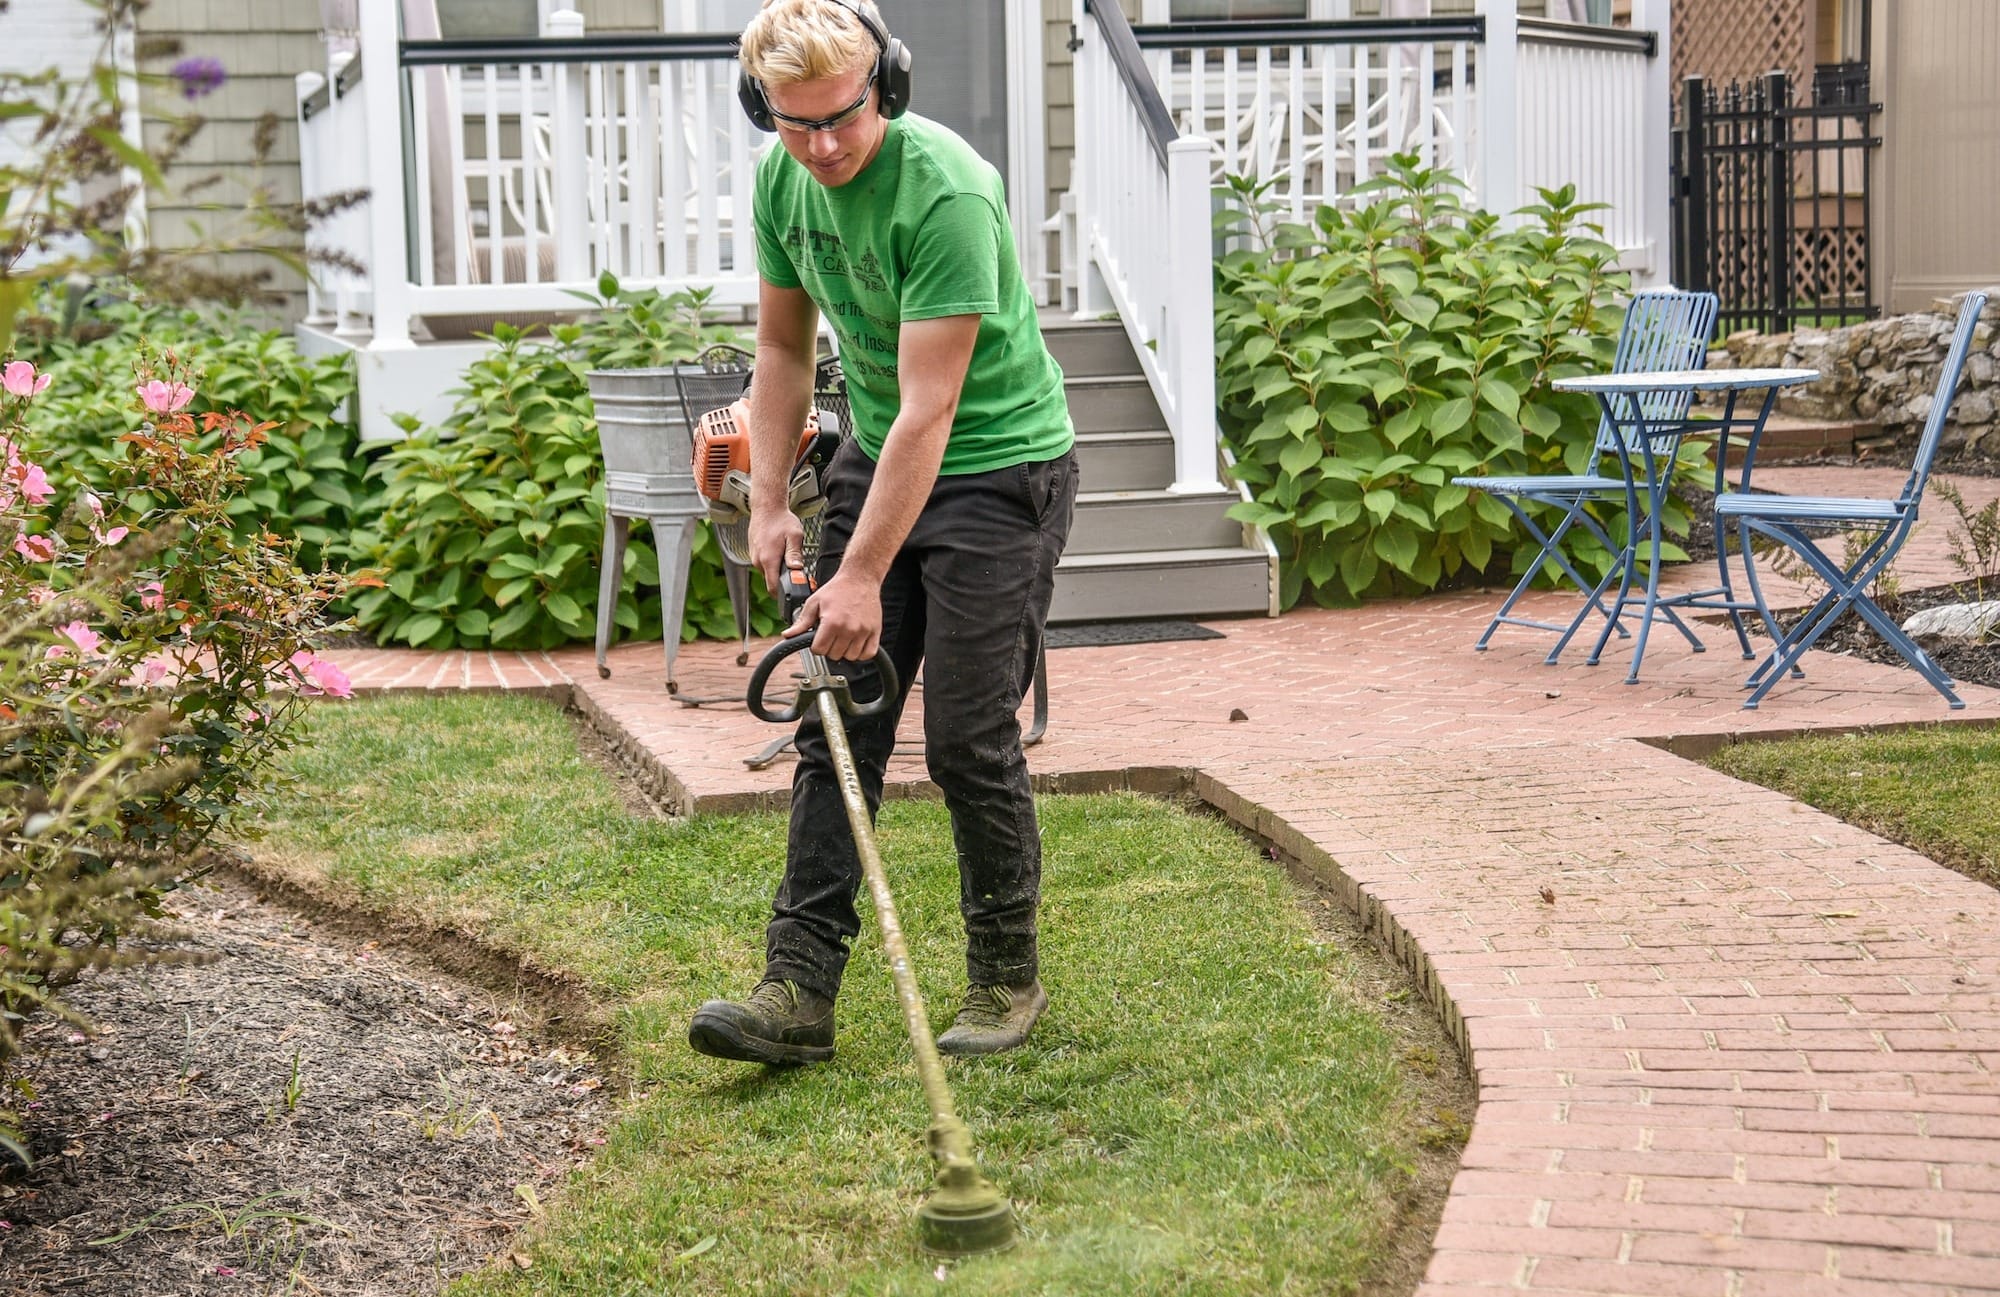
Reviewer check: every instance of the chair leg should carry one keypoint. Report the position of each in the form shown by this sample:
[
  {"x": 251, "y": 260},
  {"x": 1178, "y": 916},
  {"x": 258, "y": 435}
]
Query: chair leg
[
  {"x": 1847, "y": 589},
  {"x": 610, "y": 577},
  {"x": 1757, "y": 591},
  {"x": 1550, "y": 551}
]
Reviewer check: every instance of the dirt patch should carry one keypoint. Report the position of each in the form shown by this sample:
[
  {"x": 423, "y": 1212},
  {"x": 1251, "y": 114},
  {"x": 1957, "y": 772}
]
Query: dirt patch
[
  {"x": 1439, "y": 1079},
  {"x": 1442, "y": 1089},
  {"x": 309, "y": 1112}
]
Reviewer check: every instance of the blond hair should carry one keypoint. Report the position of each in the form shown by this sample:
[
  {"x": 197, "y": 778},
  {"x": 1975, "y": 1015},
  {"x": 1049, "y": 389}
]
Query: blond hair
[{"x": 790, "y": 41}]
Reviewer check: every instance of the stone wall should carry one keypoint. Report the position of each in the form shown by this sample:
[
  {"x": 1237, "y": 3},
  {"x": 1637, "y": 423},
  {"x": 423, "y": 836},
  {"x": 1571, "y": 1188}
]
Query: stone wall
[{"x": 1885, "y": 372}]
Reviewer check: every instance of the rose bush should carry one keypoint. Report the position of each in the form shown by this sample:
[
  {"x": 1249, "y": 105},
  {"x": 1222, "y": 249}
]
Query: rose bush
[{"x": 154, "y": 658}]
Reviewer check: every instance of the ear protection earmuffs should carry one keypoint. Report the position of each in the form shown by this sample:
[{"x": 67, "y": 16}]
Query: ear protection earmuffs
[{"x": 892, "y": 76}]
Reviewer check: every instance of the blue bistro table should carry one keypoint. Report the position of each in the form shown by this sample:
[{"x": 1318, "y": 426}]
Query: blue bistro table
[{"x": 1648, "y": 444}]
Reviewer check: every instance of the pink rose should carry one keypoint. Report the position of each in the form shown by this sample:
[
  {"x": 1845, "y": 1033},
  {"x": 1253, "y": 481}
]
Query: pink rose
[
  {"x": 35, "y": 485},
  {"x": 152, "y": 596},
  {"x": 111, "y": 537},
  {"x": 162, "y": 397},
  {"x": 36, "y": 549},
  {"x": 20, "y": 379},
  {"x": 319, "y": 676},
  {"x": 41, "y": 596},
  {"x": 84, "y": 639}
]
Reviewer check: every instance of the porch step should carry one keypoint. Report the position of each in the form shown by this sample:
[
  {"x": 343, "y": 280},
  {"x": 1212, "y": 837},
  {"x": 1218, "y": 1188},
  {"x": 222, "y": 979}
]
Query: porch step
[
  {"x": 1217, "y": 582},
  {"x": 1090, "y": 348},
  {"x": 1114, "y": 403},
  {"x": 1789, "y": 440},
  {"x": 1114, "y": 521},
  {"x": 1125, "y": 461}
]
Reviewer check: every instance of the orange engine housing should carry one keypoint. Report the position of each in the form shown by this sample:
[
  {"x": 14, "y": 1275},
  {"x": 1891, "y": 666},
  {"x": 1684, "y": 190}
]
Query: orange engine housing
[{"x": 722, "y": 443}]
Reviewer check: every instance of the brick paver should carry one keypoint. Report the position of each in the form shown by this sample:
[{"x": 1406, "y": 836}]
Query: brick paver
[{"x": 1745, "y": 1049}]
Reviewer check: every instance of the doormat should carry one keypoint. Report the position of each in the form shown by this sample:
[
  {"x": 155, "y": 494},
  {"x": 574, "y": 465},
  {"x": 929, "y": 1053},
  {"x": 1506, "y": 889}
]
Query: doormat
[{"x": 1105, "y": 634}]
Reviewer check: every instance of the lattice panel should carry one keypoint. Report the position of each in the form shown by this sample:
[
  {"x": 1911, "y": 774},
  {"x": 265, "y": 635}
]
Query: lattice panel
[
  {"x": 1726, "y": 40},
  {"x": 1830, "y": 267}
]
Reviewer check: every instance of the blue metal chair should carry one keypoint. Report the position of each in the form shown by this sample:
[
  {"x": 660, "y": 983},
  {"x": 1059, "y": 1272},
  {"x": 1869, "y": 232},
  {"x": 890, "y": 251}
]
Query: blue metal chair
[
  {"x": 1665, "y": 329},
  {"x": 1791, "y": 519}
]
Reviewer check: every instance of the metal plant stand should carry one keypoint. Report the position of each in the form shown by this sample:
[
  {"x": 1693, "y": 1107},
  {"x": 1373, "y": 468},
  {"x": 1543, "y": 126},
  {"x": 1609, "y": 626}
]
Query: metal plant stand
[{"x": 648, "y": 474}]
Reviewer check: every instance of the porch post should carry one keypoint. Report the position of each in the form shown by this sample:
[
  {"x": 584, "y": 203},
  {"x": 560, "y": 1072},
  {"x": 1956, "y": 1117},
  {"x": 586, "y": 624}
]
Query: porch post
[
  {"x": 1191, "y": 315},
  {"x": 1657, "y": 122},
  {"x": 1499, "y": 181},
  {"x": 568, "y": 150},
  {"x": 388, "y": 239},
  {"x": 1086, "y": 178}
]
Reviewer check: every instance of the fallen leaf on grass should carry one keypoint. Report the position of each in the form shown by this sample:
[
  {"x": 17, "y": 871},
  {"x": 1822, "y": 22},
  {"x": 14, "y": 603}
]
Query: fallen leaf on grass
[
  {"x": 697, "y": 1249},
  {"x": 526, "y": 1193},
  {"x": 521, "y": 1260}
]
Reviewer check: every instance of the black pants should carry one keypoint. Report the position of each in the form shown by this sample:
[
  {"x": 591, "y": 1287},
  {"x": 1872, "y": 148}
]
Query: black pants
[{"x": 966, "y": 598}]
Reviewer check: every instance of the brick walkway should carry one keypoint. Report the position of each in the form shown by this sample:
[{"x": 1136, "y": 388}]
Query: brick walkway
[{"x": 1746, "y": 1049}]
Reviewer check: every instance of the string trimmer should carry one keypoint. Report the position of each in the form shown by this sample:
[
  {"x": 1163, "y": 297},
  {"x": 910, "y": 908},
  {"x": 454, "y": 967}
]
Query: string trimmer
[{"x": 964, "y": 1214}]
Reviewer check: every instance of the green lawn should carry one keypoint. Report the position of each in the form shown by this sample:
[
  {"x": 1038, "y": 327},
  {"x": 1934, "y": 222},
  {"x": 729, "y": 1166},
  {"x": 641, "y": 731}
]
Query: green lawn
[
  {"x": 1206, "y": 1109},
  {"x": 1934, "y": 789}
]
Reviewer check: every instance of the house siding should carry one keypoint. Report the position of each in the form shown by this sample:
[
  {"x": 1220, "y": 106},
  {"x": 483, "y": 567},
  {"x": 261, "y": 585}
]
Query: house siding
[
  {"x": 262, "y": 44},
  {"x": 1939, "y": 181},
  {"x": 64, "y": 36}
]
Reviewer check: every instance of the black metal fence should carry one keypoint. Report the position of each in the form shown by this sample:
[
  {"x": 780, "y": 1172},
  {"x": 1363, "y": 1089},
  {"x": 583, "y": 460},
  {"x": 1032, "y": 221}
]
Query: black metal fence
[{"x": 1771, "y": 198}]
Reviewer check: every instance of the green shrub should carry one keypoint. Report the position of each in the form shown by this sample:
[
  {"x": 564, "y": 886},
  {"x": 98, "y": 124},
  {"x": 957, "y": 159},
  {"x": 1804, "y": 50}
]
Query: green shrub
[
  {"x": 487, "y": 529},
  {"x": 153, "y": 659},
  {"x": 304, "y": 481},
  {"x": 1367, "y": 358}
]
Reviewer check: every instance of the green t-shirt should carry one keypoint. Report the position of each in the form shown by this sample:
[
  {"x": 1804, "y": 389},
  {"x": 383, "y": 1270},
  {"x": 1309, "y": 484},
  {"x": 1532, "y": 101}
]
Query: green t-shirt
[{"x": 920, "y": 234}]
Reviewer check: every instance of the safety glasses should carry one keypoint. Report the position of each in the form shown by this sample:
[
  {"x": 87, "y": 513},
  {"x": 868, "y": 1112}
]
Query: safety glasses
[{"x": 842, "y": 118}]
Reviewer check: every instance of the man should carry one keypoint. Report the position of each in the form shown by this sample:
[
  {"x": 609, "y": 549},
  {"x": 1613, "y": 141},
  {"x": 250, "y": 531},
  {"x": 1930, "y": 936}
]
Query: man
[{"x": 947, "y": 507}]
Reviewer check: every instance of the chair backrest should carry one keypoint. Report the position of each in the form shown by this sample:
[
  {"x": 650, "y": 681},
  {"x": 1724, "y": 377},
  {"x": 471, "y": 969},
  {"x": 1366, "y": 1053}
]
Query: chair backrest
[
  {"x": 1947, "y": 388},
  {"x": 1665, "y": 329}
]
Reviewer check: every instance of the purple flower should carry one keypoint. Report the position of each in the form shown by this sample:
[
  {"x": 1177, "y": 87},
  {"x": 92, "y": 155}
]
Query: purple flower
[{"x": 198, "y": 76}]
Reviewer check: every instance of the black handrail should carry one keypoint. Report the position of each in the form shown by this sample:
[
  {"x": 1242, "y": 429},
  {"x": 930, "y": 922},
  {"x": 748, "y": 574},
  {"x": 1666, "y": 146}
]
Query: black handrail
[
  {"x": 322, "y": 99},
  {"x": 1160, "y": 130},
  {"x": 1249, "y": 33},
  {"x": 616, "y": 48},
  {"x": 1544, "y": 31}
]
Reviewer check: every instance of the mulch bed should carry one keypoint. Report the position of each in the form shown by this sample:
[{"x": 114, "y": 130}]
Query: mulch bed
[{"x": 385, "y": 1160}]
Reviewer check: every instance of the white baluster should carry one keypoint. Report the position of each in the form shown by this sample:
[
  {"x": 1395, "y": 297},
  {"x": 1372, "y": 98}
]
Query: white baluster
[{"x": 568, "y": 111}]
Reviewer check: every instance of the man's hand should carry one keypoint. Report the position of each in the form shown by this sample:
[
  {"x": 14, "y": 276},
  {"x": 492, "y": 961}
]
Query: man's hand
[
  {"x": 777, "y": 541},
  {"x": 848, "y": 612}
]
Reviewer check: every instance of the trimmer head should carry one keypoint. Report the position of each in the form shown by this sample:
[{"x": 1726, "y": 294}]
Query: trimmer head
[{"x": 965, "y": 1214}]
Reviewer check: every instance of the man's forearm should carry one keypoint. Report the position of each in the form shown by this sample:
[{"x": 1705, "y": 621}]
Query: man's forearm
[{"x": 898, "y": 492}]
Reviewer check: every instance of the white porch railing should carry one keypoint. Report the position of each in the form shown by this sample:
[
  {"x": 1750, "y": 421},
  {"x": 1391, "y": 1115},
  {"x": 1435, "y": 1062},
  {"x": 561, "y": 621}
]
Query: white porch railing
[
  {"x": 1315, "y": 107},
  {"x": 1145, "y": 209},
  {"x": 505, "y": 173}
]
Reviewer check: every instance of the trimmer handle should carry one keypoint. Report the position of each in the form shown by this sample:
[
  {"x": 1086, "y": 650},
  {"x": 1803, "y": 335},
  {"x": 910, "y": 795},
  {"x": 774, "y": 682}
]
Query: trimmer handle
[{"x": 794, "y": 588}]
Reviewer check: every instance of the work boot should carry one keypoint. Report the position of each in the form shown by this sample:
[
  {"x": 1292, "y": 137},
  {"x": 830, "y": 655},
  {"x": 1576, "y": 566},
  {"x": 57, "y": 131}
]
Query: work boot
[
  {"x": 782, "y": 1023},
  {"x": 994, "y": 1018}
]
